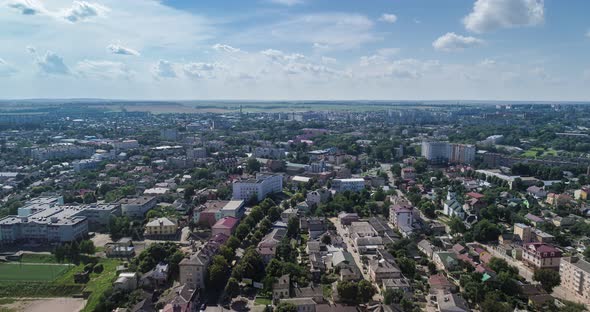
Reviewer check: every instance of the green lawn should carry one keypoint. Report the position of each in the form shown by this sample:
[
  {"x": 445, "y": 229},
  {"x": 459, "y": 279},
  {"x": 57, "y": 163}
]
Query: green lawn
[
  {"x": 262, "y": 301},
  {"x": 100, "y": 283},
  {"x": 539, "y": 152},
  {"x": 31, "y": 272},
  {"x": 38, "y": 258}
]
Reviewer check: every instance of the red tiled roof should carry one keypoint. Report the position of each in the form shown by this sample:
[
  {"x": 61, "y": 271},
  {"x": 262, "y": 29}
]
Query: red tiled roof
[
  {"x": 475, "y": 195},
  {"x": 227, "y": 222}
]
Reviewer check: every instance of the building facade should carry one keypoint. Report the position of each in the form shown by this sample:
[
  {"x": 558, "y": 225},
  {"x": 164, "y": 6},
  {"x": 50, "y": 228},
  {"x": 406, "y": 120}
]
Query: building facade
[
  {"x": 260, "y": 187},
  {"x": 575, "y": 277}
]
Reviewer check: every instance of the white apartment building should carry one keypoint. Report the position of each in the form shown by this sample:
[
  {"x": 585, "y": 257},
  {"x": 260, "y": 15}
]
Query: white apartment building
[
  {"x": 353, "y": 185},
  {"x": 261, "y": 186},
  {"x": 56, "y": 224},
  {"x": 61, "y": 152},
  {"x": 575, "y": 277},
  {"x": 125, "y": 145}
]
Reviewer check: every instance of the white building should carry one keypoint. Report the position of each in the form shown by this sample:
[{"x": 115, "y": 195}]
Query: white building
[
  {"x": 234, "y": 208},
  {"x": 56, "y": 224},
  {"x": 317, "y": 197},
  {"x": 137, "y": 206},
  {"x": 462, "y": 154},
  {"x": 196, "y": 153},
  {"x": 353, "y": 185},
  {"x": 263, "y": 185},
  {"x": 125, "y": 145},
  {"x": 439, "y": 152}
]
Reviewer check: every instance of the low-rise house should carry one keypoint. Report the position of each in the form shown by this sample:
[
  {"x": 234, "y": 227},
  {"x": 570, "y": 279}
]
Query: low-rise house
[
  {"x": 288, "y": 214},
  {"x": 427, "y": 248},
  {"x": 234, "y": 208},
  {"x": 449, "y": 302},
  {"x": 346, "y": 218},
  {"x": 446, "y": 261},
  {"x": 400, "y": 283},
  {"x": 317, "y": 197},
  {"x": 181, "y": 299},
  {"x": 314, "y": 292},
  {"x": 368, "y": 244},
  {"x": 350, "y": 272},
  {"x": 126, "y": 281},
  {"x": 316, "y": 227},
  {"x": 361, "y": 229},
  {"x": 161, "y": 228},
  {"x": 158, "y": 276},
  {"x": 267, "y": 246},
  {"x": 225, "y": 226},
  {"x": 281, "y": 289},
  {"x": 302, "y": 304},
  {"x": 381, "y": 269},
  {"x": 536, "y": 192},
  {"x": 440, "y": 282}
]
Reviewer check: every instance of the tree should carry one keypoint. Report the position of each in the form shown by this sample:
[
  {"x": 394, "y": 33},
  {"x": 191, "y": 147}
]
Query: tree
[
  {"x": 365, "y": 291},
  {"x": 393, "y": 296},
  {"x": 587, "y": 254},
  {"x": 493, "y": 303},
  {"x": 87, "y": 247},
  {"x": 548, "y": 278},
  {"x": 407, "y": 266},
  {"x": 218, "y": 271},
  {"x": 347, "y": 291},
  {"x": 485, "y": 231},
  {"x": 327, "y": 239},
  {"x": 252, "y": 165},
  {"x": 232, "y": 288},
  {"x": 456, "y": 225},
  {"x": 286, "y": 307},
  {"x": 233, "y": 242},
  {"x": 500, "y": 265},
  {"x": 293, "y": 227},
  {"x": 227, "y": 253}
]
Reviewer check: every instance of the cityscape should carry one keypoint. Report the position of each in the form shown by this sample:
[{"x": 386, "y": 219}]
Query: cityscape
[{"x": 294, "y": 156}]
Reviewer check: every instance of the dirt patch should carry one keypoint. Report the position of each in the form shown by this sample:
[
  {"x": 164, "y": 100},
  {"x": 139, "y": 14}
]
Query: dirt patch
[
  {"x": 46, "y": 304},
  {"x": 100, "y": 240}
]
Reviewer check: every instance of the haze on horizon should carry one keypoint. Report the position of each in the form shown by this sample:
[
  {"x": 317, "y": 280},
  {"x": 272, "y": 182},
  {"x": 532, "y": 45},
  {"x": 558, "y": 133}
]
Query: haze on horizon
[{"x": 295, "y": 49}]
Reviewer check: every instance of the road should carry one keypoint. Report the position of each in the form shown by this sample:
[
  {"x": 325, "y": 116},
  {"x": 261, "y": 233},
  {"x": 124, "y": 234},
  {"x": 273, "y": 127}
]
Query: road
[{"x": 343, "y": 232}]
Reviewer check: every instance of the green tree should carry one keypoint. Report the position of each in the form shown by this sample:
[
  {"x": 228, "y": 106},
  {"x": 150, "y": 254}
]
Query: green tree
[
  {"x": 548, "y": 278},
  {"x": 365, "y": 291},
  {"x": 293, "y": 227},
  {"x": 407, "y": 266},
  {"x": 218, "y": 271},
  {"x": 232, "y": 288},
  {"x": 286, "y": 307},
  {"x": 456, "y": 225},
  {"x": 87, "y": 247},
  {"x": 327, "y": 239},
  {"x": 393, "y": 296},
  {"x": 347, "y": 291},
  {"x": 252, "y": 165}
]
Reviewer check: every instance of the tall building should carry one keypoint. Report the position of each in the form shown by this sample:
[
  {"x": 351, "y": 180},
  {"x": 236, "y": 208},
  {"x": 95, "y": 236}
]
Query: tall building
[
  {"x": 575, "y": 277},
  {"x": 441, "y": 152},
  {"x": 462, "y": 153},
  {"x": 436, "y": 152}
]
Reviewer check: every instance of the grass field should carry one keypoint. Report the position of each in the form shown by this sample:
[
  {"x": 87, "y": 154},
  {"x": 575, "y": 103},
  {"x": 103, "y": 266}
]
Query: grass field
[
  {"x": 31, "y": 272},
  {"x": 539, "y": 152},
  {"x": 38, "y": 258}
]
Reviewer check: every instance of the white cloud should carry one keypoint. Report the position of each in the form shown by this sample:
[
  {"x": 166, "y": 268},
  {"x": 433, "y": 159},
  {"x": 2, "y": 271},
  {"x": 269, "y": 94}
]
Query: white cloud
[
  {"x": 82, "y": 10},
  {"x": 336, "y": 31},
  {"x": 280, "y": 56},
  {"x": 388, "y": 18},
  {"x": 452, "y": 42},
  {"x": 225, "y": 48},
  {"x": 103, "y": 70},
  {"x": 286, "y": 2},
  {"x": 328, "y": 60},
  {"x": 6, "y": 69},
  {"x": 53, "y": 64},
  {"x": 121, "y": 50},
  {"x": 490, "y": 15},
  {"x": 380, "y": 57},
  {"x": 164, "y": 69},
  {"x": 27, "y": 7},
  {"x": 201, "y": 70}
]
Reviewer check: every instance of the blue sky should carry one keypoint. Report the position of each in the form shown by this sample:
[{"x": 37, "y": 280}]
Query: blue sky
[{"x": 296, "y": 49}]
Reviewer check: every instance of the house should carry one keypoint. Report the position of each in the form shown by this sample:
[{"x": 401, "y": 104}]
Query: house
[
  {"x": 350, "y": 272},
  {"x": 361, "y": 229},
  {"x": 158, "y": 276},
  {"x": 446, "y": 261},
  {"x": 449, "y": 302},
  {"x": 536, "y": 192},
  {"x": 315, "y": 292},
  {"x": 427, "y": 248},
  {"x": 267, "y": 246},
  {"x": 535, "y": 220},
  {"x": 341, "y": 259},
  {"x": 440, "y": 282},
  {"x": 233, "y": 208},
  {"x": 453, "y": 208},
  {"x": 582, "y": 194},
  {"x": 381, "y": 269},
  {"x": 225, "y": 226},
  {"x": 316, "y": 227},
  {"x": 402, "y": 216},
  {"x": 408, "y": 173},
  {"x": 127, "y": 281},
  {"x": 368, "y": 244},
  {"x": 347, "y": 218},
  {"x": 541, "y": 256},
  {"x": 317, "y": 197},
  {"x": 558, "y": 200},
  {"x": 302, "y": 304},
  {"x": 161, "y": 228},
  {"x": 396, "y": 283},
  {"x": 288, "y": 214},
  {"x": 193, "y": 269},
  {"x": 181, "y": 299},
  {"x": 281, "y": 289}
]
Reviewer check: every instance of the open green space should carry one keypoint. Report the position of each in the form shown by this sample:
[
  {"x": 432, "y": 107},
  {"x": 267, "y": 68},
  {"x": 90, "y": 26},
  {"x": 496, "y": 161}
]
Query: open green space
[
  {"x": 31, "y": 272},
  {"x": 38, "y": 258},
  {"x": 262, "y": 301},
  {"x": 539, "y": 152}
]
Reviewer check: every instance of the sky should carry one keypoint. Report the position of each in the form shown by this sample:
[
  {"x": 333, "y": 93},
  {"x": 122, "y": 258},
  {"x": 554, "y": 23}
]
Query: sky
[{"x": 296, "y": 49}]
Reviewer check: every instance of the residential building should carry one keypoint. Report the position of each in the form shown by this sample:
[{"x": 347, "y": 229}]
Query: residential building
[
  {"x": 127, "y": 281},
  {"x": 269, "y": 152},
  {"x": 541, "y": 256},
  {"x": 260, "y": 187},
  {"x": 347, "y": 218},
  {"x": 234, "y": 208},
  {"x": 225, "y": 226},
  {"x": 267, "y": 246},
  {"x": 402, "y": 217},
  {"x": 462, "y": 154},
  {"x": 137, "y": 207},
  {"x": 281, "y": 288},
  {"x": 353, "y": 185},
  {"x": 453, "y": 208},
  {"x": 449, "y": 302},
  {"x": 436, "y": 152},
  {"x": 64, "y": 151},
  {"x": 193, "y": 269},
  {"x": 302, "y": 304},
  {"x": 381, "y": 269},
  {"x": 408, "y": 173},
  {"x": 209, "y": 212},
  {"x": 317, "y": 197},
  {"x": 575, "y": 277},
  {"x": 446, "y": 261},
  {"x": 160, "y": 228}
]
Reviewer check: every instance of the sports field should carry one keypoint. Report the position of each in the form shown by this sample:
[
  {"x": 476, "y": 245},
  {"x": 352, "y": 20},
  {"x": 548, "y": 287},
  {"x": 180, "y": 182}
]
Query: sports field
[{"x": 31, "y": 272}]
